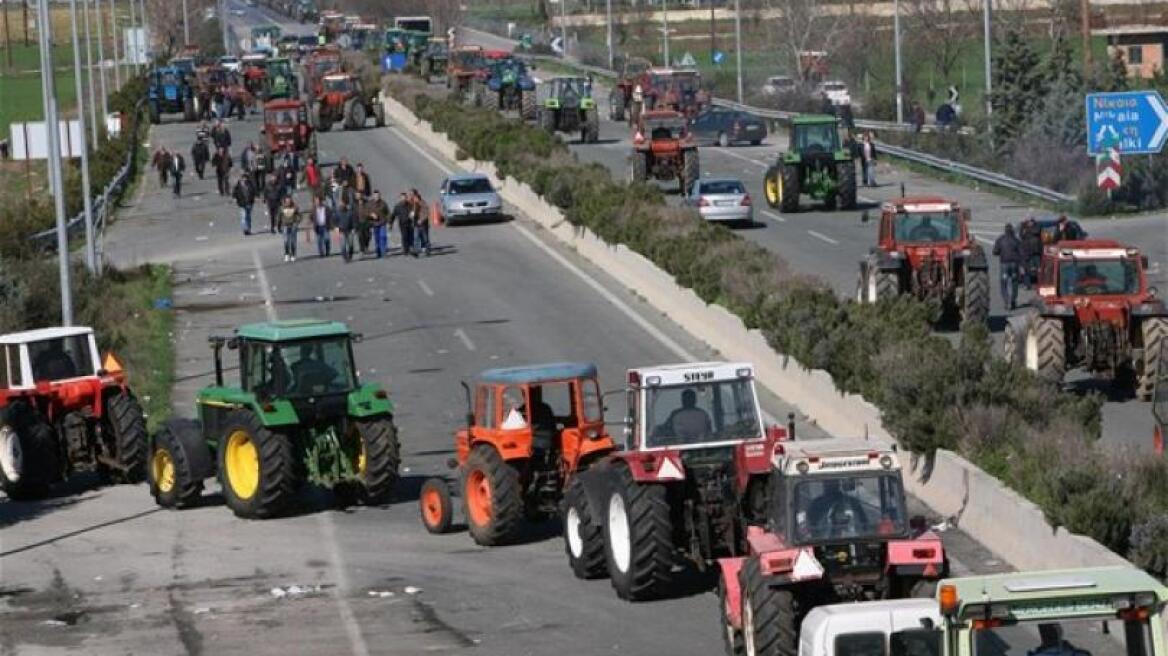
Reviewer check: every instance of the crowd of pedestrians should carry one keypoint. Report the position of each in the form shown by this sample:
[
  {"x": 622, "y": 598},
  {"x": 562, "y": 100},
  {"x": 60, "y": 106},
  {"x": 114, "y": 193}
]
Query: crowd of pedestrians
[{"x": 1019, "y": 253}]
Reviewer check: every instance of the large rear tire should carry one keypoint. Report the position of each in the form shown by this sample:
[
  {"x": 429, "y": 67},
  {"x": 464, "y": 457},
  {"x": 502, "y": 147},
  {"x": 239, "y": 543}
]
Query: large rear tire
[
  {"x": 639, "y": 171},
  {"x": 1014, "y": 343},
  {"x": 616, "y": 105},
  {"x": 527, "y": 105},
  {"x": 732, "y": 638},
  {"x": 638, "y": 544},
  {"x": 126, "y": 424},
  {"x": 189, "y": 110},
  {"x": 846, "y": 189},
  {"x": 976, "y": 300},
  {"x": 691, "y": 169},
  {"x": 789, "y": 189},
  {"x": 170, "y": 474},
  {"x": 1045, "y": 349},
  {"x": 583, "y": 536},
  {"x": 771, "y": 182},
  {"x": 317, "y": 117},
  {"x": 378, "y": 113},
  {"x": 29, "y": 461},
  {"x": 769, "y": 615},
  {"x": 547, "y": 120},
  {"x": 591, "y": 126},
  {"x": 1154, "y": 331},
  {"x": 493, "y": 497},
  {"x": 257, "y": 467},
  {"x": 378, "y": 459}
]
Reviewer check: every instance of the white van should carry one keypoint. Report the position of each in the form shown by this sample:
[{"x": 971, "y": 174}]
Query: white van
[{"x": 899, "y": 627}]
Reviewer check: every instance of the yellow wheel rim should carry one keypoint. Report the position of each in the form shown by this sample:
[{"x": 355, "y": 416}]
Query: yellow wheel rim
[
  {"x": 772, "y": 189},
  {"x": 162, "y": 468},
  {"x": 360, "y": 462},
  {"x": 243, "y": 464},
  {"x": 779, "y": 188}
]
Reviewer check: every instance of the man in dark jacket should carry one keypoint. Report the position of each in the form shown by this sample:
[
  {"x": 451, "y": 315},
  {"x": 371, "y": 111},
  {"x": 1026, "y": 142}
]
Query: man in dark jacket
[
  {"x": 1009, "y": 252},
  {"x": 377, "y": 214},
  {"x": 345, "y": 171},
  {"x": 221, "y": 135},
  {"x": 346, "y": 223},
  {"x": 401, "y": 216},
  {"x": 244, "y": 194},
  {"x": 1031, "y": 238},
  {"x": 200, "y": 155},
  {"x": 178, "y": 166},
  {"x": 1069, "y": 230},
  {"x": 273, "y": 194},
  {"x": 221, "y": 161}
]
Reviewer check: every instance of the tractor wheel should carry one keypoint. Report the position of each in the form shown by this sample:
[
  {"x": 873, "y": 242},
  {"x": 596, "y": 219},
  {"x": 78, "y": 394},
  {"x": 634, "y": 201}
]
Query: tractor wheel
[
  {"x": 477, "y": 95},
  {"x": 771, "y": 182},
  {"x": 189, "y": 110},
  {"x": 732, "y": 637},
  {"x": 155, "y": 115},
  {"x": 789, "y": 189},
  {"x": 28, "y": 453},
  {"x": 170, "y": 475},
  {"x": 638, "y": 541},
  {"x": 769, "y": 623},
  {"x": 1155, "y": 333},
  {"x": 1046, "y": 349},
  {"x": 635, "y": 112},
  {"x": 493, "y": 497},
  {"x": 437, "y": 509},
  {"x": 547, "y": 120},
  {"x": 640, "y": 168},
  {"x": 354, "y": 115},
  {"x": 976, "y": 302},
  {"x": 591, "y": 132},
  {"x": 845, "y": 173},
  {"x": 527, "y": 105},
  {"x": 878, "y": 285},
  {"x": 378, "y": 458},
  {"x": 127, "y": 426},
  {"x": 1014, "y": 343},
  {"x": 257, "y": 467},
  {"x": 425, "y": 72},
  {"x": 583, "y": 537},
  {"x": 616, "y": 105},
  {"x": 378, "y": 114},
  {"x": 690, "y": 169}
]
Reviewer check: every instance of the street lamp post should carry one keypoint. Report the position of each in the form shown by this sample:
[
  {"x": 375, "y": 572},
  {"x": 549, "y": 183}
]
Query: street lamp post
[
  {"x": 54, "y": 138},
  {"x": 608, "y": 35},
  {"x": 896, "y": 49},
  {"x": 101, "y": 63},
  {"x": 186, "y": 24},
  {"x": 987, "y": 20},
  {"x": 87, "y": 202},
  {"x": 114, "y": 36},
  {"x": 738, "y": 45},
  {"x": 133, "y": 51},
  {"x": 89, "y": 74},
  {"x": 665, "y": 27}
]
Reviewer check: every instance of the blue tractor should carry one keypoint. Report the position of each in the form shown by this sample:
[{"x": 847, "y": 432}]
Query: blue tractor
[
  {"x": 508, "y": 82},
  {"x": 171, "y": 93}
]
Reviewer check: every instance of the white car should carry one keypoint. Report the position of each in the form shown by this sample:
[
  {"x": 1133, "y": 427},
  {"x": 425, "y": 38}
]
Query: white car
[
  {"x": 836, "y": 91},
  {"x": 777, "y": 85},
  {"x": 231, "y": 63}
]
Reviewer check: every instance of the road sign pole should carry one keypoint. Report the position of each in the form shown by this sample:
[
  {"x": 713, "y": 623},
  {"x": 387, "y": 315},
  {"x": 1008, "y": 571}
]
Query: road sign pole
[
  {"x": 44, "y": 34},
  {"x": 738, "y": 45},
  {"x": 186, "y": 24},
  {"x": 89, "y": 74},
  {"x": 101, "y": 64},
  {"x": 608, "y": 35},
  {"x": 896, "y": 50}
]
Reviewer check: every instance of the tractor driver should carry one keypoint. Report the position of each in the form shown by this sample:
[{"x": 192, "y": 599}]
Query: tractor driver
[
  {"x": 1090, "y": 281},
  {"x": 53, "y": 363},
  {"x": 310, "y": 373},
  {"x": 1051, "y": 643},
  {"x": 689, "y": 422},
  {"x": 836, "y": 510},
  {"x": 925, "y": 231}
]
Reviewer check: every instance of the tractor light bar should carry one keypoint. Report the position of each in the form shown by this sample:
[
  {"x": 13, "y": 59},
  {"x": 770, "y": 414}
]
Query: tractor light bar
[
  {"x": 743, "y": 373},
  {"x": 653, "y": 381},
  {"x": 1139, "y": 613},
  {"x": 981, "y": 625}
]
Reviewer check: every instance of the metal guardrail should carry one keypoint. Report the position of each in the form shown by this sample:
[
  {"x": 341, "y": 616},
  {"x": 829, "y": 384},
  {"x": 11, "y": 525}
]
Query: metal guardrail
[
  {"x": 102, "y": 205},
  {"x": 917, "y": 157}
]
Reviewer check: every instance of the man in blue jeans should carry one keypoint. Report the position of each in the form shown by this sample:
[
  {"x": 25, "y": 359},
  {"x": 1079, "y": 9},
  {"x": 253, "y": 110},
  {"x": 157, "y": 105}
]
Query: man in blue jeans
[
  {"x": 289, "y": 226},
  {"x": 322, "y": 223},
  {"x": 244, "y": 194},
  {"x": 421, "y": 220},
  {"x": 377, "y": 213},
  {"x": 1009, "y": 252}
]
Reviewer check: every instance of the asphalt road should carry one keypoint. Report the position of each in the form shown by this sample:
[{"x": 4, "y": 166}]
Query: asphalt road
[{"x": 831, "y": 244}]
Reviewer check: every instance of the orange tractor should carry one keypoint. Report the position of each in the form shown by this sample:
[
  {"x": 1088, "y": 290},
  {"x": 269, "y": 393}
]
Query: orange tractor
[
  {"x": 318, "y": 63},
  {"x": 63, "y": 410},
  {"x": 344, "y": 99},
  {"x": 664, "y": 149},
  {"x": 529, "y": 431}
]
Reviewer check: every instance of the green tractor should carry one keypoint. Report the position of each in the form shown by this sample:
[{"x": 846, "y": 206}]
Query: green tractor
[
  {"x": 565, "y": 104},
  {"x": 815, "y": 164},
  {"x": 280, "y": 82},
  {"x": 297, "y": 415}
]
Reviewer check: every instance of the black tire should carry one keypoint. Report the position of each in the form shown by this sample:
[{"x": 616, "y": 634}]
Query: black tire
[
  {"x": 769, "y": 616},
  {"x": 501, "y": 522},
  {"x": 127, "y": 426},
  {"x": 770, "y": 186},
  {"x": 1154, "y": 331},
  {"x": 527, "y": 105},
  {"x": 846, "y": 179},
  {"x": 583, "y": 537},
  {"x": 378, "y": 113},
  {"x": 425, "y": 72},
  {"x": 276, "y": 481},
  {"x": 732, "y": 638},
  {"x": 591, "y": 126},
  {"x": 635, "y": 112},
  {"x": 382, "y": 458},
  {"x": 640, "y": 166},
  {"x": 1013, "y": 343},
  {"x": 178, "y": 487},
  {"x": 317, "y": 117},
  {"x": 616, "y": 105},
  {"x": 155, "y": 115},
  {"x": 1046, "y": 350},
  {"x": 789, "y": 196},
  {"x": 976, "y": 300},
  {"x": 189, "y": 110},
  {"x": 878, "y": 286},
  {"x": 645, "y": 533},
  {"x": 477, "y": 95},
  {"x": 691, "y": 169},
  {"x": 435, "y": 506},
  {"x": 33, "y": 456},
  {"x": 547, "y": 120}
]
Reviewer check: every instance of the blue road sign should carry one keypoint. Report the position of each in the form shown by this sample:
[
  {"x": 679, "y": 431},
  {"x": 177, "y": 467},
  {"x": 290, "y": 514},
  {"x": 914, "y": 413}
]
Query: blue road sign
[
  {"x": 718, "y": 57},
  {"x": 1138, "y": 119}
]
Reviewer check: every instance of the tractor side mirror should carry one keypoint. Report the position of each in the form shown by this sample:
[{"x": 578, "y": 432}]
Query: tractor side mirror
[
  {"x": 357, "y": 338},
  {"x": 1144, "y": 261},
  {"x": 917, "y": 523},
  {"x": 865, "y": 217}
]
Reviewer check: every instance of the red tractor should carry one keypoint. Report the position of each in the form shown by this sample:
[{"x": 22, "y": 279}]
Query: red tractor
[
  {"x": 694, "y": 476},
  {"x": 461, "y": 68},
  {"x": 925, "y": 250},
  {"x": 666, "y": 88},
  {"x": 62, "y": 410},
  {"x": 835, "y": 530},
  {"x": 286, "y": 127},
  {"x": 664, "y": 149},
  {"x": 620, "y": 99},
  {"x": 529, "y": 431},
  {"x": 344, "y": 99},
  {"x": 1094, "y": 311},
  {"x": 319, "y": 62}
]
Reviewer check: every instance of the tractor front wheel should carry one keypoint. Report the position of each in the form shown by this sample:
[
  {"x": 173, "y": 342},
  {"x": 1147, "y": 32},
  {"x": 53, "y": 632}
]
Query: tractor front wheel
[
  {"x": 547, "y": 120},
  {"x": 789, "y": 189},
  {"x": 583, "y": 537},
  {"x": 771, "y": 182},
  {"x": 126, "y": 424},
  {"x": 318, "y": 119},
  {"x": 845, "y": 173},
  {"x": 155, "y": 115},
  {"x": 638, "y": 540},
  {"x": 436, "y": 508},
  {"x": 1046, "y": 349},
  {"x": 769, "y": 623},
  {"x": 378, "y": 459},
  {"x": 28, "y": 453},
  {"x": 732, "y": 637},
  {"x": 256, "y": 466},
  {"x": 493, "y": 497},
  {"x": 1014, "y": 343},
  {"x": 378, "y": 113},
  {"x": 527, "y": 105},
  {"x": 616, "y": 105},
  {"x": 591, "y": 132},
  {"x": 170, "y": 474},
  {"x": 975, "y": 306},
  {"x": 1154, "y": 331}
]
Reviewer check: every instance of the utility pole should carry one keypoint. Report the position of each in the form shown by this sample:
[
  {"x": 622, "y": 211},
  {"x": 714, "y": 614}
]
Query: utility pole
[
  {"x": 713, "y": 33},
  {"x": 89, "y": 74},
  {"x": 145, "y": 34},
  {"x": 114, "y": 36},
  {"x": 186, "y": 24},
  {"x": 738, "y": 45},
  {"x": 564, "y": 26},
  {"x": 987, "y": 16},
  {"x": 665, "y": 28},
  {"x": 132, "y": 50},
  {"x": 223, "y": 25},
  {"x": 608, "y": 35},
  {"x": 896, "y": 49},
  {"x": 54, "y": 138},
  {"x": 1085, "y": 26},
  {"x": 101, "y": 64},
  {"x": 7, "y": 39},
  {"x": 87, "y": 201}
]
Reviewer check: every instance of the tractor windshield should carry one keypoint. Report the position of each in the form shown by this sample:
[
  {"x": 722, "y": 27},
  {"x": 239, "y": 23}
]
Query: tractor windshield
[
  {"x": 928, "y": 227},
  {"x": 816, "y": 137},
  {"x": 852, "y": 506},
  {"x": 1096, "y": 277},
  {"x": 61, "y": 358},
  {"x": 700, "y": 413},
  {"x": 687, "y": 83},
  {"x": 1077, "y": 637},
  {"x": 280, "y": 117},
  {"x": 414, "y": 24},
  {"x": 338, "y": 85},
  {"x": 666, "y": 128},
  {"x": 313, "y": 367}
]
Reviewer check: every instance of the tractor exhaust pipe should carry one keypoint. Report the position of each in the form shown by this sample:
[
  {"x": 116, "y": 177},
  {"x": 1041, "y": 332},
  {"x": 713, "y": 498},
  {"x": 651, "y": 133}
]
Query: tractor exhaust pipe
[
  {"x": 791, "y": 426},
  {"x": 902, "y": 190}
]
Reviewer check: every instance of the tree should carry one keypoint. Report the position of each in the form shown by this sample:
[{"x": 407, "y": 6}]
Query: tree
[
  {"x": 1019, "y": 86},
  {"x": 805, "y": 25},
  {"x": 938, "y": 31}
]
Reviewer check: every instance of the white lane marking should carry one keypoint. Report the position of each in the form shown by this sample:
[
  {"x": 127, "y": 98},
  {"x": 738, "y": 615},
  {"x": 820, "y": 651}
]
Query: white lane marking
[
  {"x": 983, "y": 239},
  {"x": 356, "y": 641},
  {"x": 425, "y": 287},
  {"x": 774, "y": 216},
  {"x": 727, "y": 151},
  {"x": 461, "y": 334},
  {"x": 822, "y": 237},
  {"x": 265, "y": 288}
]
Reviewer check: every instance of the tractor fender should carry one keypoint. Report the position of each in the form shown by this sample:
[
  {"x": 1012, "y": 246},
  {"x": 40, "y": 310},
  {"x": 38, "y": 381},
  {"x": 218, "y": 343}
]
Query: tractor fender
[
  {"x": 597, "y": 482},
  {"x": 1021, "y": 322},
  {"x": 189, "y": 433},
  {"x": 975, "y": 259},
  {"x": 923, "y": 556},
  {"x": 662, "y": 466},
  {"x": 1147, "y": 310},
  {"x": 729, "y": 569}
]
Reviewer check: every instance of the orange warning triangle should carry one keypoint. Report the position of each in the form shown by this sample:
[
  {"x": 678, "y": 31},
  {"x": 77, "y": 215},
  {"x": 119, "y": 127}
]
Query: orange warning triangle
[{"x": 111, "y": 364}]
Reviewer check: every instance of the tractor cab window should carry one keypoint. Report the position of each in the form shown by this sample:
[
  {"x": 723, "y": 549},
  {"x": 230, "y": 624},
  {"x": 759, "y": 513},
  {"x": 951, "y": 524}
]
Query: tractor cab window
[
  {"x": 300, "y": 369},
  {"x": 280, "y": 117},
  {"x": 61, "y": 358},
  {"x": 816, "y": 138},
  {"x": 1097, "y": 277},
  {"x": 915, "y": 642},
  {"x": 590, "y": 396},
  {"x": 927, "y": 227},
  {"x": 551, "y": 405},
  {"x": 10, "y": 366},
  {"x": 699, "y": 413},
  {"x": 686, "y": 84},
  {"x": 513, "y": 409},
  {"x": 860, "y": 644},
  {"x": 852, "y": 506},
  {"x": 663, "y": 129},
  {"x": 338, "y": 85},
  {"x": 1067, "y": 637}
]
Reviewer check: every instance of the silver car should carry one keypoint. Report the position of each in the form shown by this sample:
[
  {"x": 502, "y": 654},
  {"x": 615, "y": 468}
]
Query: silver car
[
  {"x": 468, "y": 198},
  {"x": 721, "y": 199}
]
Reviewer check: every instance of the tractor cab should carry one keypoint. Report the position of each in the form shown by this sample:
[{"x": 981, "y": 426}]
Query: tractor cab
[
  {"x": 286, "y": 126},
  {"x": 48, "y": 355},
  {"x": 923, "y": 222},
  {"x": 185, "y": 65},
  {"x": 1085, "y": 272},
  {"x": 281, "y": 82},
  {"x": 814, "y": 134},
  {"x": 660, "y": 128},
  {"x": 339, "y": 83}
]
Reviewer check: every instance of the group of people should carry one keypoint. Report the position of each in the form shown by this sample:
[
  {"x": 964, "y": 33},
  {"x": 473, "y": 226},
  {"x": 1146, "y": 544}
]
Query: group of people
[{"x": 1020, "y": 253}]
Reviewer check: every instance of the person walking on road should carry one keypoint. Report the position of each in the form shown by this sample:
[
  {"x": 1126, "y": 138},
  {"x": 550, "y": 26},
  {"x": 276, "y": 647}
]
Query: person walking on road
[
  {"x": 220, "y": 135},
  {"x": 244, "y": 194},
  {"x": 178, "y": 166},
  {"x": 248, "y": 160},
  {"x": 1031, "y": 238},
  {"x": 1069, "y": 230},
  {"x": 322, "y": 223},
  {"x": 272, "y": 197},
  {"x": 421, "y": 218},
  {"x": 200, "y": 155},
  {"x": 401, "y": 215},
  {"x": 221, "y": 162},
  {"x": 346, "y": 221},
  {"x": 312, "y": 177},
  {"x": 345, "y": 171},
  {"x": 377, "y": 213},
  {"x": 161, "y": 161},
  {"x": 868, "y": 159},
  {"x": 289, "y": 226},
  {"x": 360, "y": 181},
  {"x": 1009, "y": 252}
]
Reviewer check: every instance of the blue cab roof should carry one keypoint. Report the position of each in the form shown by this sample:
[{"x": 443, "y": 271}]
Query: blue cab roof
[{"x": 540, "y": 373}]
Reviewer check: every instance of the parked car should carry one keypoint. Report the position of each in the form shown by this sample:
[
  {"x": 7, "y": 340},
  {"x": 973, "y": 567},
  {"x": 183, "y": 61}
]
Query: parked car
[
  {"x": 721, "y": 199},
  {"x": 777, "y": 85},
  {"x": 722, "y": 126},
  {"x": 465, "y": 198},
  {"x": 835, "y": 90},
  {"x": 231, "y": 63}
]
